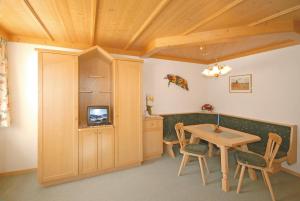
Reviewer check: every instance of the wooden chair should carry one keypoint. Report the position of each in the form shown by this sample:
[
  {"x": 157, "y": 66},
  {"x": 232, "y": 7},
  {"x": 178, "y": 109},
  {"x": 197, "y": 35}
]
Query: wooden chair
[
  {"x": 197, "y": 150},
  {"x": 256, "y": 161}
]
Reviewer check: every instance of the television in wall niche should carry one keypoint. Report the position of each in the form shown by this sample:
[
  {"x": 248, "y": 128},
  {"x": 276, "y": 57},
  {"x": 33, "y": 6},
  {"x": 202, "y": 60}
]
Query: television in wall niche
[{"x": 97, "y": 115}]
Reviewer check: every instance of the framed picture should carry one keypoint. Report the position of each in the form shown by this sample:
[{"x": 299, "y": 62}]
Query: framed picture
[{"x": 240, "y": 84}]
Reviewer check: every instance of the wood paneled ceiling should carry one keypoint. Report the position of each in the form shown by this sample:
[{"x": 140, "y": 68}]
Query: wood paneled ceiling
[{"x": 199, "y": 31}]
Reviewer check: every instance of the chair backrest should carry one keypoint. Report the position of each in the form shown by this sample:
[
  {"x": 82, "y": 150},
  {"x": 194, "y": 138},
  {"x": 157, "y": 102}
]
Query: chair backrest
[
  {"x": 180, "y": 134},
  {"x": 273, "y": 145}
]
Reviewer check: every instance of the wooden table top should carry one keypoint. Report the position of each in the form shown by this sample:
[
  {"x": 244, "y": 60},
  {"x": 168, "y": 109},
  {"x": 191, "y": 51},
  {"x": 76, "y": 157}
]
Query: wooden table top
[{"x": 227, "y": 137}]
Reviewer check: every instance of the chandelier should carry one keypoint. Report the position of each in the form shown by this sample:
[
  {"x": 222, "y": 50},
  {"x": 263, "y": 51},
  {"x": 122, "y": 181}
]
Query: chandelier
[{"x": 216, "y": 70}]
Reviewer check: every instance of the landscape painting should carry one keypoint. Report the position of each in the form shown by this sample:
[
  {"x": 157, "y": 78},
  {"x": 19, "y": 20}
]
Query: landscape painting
[{"x": 240, "y": 84}]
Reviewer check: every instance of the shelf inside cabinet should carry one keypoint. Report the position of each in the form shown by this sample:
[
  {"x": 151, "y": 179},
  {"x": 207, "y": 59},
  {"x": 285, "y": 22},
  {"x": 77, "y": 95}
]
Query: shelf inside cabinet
[
  {"x": 85, "y": 91},
  {"x": 96, "y": 76},
  {"x": 101, "y": 92}
]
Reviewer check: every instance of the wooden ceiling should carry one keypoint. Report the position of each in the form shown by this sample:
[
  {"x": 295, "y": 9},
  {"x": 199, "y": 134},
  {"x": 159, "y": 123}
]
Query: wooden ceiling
[{"x": 199, "y": 31}]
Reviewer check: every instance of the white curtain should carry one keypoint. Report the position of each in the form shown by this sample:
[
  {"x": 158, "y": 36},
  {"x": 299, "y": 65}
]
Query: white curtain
[{"x": 4, "y": 104}]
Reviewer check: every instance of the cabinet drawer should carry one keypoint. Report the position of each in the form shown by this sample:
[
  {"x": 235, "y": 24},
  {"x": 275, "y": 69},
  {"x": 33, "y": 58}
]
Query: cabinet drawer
[
  {"x": 153, "y": 144},
  {"x": 152, "y": 124}
]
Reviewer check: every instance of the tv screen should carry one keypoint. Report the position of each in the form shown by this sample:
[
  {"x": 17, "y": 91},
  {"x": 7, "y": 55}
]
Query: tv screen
[{"x": 98, "y": 115}]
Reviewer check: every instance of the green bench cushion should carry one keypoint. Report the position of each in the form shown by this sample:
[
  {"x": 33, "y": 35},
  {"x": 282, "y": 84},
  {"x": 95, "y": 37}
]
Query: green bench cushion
[
  {"x": 187, "y": 119},
  {"x": 199, "y": 149},
  {"x": 250, "y": 158},
  {"x": 170, "y": 138}
]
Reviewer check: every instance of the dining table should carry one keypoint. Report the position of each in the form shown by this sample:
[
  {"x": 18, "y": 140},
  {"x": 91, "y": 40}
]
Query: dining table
[{"x": 224, "y": 138}]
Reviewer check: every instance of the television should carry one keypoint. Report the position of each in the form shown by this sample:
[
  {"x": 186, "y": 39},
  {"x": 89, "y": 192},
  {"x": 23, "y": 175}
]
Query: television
[{"x": 97, "y": 115}]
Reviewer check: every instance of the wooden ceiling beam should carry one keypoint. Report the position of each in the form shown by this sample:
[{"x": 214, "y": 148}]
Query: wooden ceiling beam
[
  {"x": 148, "y": 21},
  {"x": 38, "y": 20},
  {"x": 219, "y": 36},
  {"x": 172, "y": 58},
  {"x": 213, "y": 16},
  {"x": 275, "y": 15},
  {"x": 269, "y": 47},
  {"x": 94, "y": 11}
]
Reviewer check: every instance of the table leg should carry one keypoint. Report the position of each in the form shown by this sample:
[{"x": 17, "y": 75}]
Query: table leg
[
  {"x": 210, "y": 150},
  {"x": 224, "y": 168},
  {"x": 251, "y": 172}
]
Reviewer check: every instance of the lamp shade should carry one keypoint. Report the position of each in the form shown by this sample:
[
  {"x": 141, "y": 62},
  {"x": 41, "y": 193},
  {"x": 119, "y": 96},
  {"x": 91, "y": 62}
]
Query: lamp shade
[{"x": 216, "y": 70}]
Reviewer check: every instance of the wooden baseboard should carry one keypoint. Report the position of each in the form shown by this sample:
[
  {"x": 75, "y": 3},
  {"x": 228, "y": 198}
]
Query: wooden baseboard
[
  {"x": 85, "y": 176},
  {"x": 17, "y": 172},
  {"x": 290, "y": 172},
  {"x": 152, "y": 156}
]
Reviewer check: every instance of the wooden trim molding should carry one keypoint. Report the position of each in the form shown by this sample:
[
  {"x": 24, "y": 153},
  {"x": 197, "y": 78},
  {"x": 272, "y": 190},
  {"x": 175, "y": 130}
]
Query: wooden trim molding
[
  {"x": 219, "y": 36},
  {"x": 213, "y": 16},
  {"x": 148, "y": 21},
  {"x": 275, "y": 15},
  {"x": 18, "y": 172},
  {"x": 45, "y": 41},
  {"x": 269, "y": 47},
  {"x": 38, "y": 19},
  {"x": 99, "y": 49},
  {"x": 122, "y": 51},
  {"x": 4, "y": 34},
  {"x": 290, "y": 172},
  {"x": 292, "y": 153}
]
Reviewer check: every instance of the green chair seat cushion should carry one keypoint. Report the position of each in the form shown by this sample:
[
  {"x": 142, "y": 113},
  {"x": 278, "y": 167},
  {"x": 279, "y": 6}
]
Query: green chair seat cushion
[
  {"x": 260, "y": 149},
  {"x": 200, "y": 149},
  {"x": 250, "y": 158}
]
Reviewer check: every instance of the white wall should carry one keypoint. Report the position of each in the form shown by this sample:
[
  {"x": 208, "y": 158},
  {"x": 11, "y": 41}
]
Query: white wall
[
  {"x": 173, "y": 99},
  {"x": 18, "y": 144},
  {"x": 276, "y": 93}
]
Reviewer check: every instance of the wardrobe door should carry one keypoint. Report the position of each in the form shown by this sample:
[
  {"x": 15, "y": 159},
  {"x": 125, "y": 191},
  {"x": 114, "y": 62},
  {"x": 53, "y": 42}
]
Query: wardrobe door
[
  {"x": 88, "y": 151},
  {"x": 128, "y": 116},
  {"x": 106, "y": 151},
  {"x": 58, "y": 116}
]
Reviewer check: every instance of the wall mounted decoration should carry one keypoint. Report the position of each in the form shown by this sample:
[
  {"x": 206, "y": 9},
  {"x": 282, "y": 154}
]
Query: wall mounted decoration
[
  {"x": 179, "y": 81},
  {"x": 207, "y": 107},
  {"x": 240, "y": 84}
]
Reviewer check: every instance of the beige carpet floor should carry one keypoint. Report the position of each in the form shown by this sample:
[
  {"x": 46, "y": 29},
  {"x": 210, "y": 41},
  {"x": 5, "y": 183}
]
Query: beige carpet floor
[{"x": 155, "y": 180}]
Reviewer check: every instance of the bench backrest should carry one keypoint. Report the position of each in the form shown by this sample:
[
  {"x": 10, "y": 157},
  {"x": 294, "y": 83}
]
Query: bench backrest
[{"x": 171, "y": 120}]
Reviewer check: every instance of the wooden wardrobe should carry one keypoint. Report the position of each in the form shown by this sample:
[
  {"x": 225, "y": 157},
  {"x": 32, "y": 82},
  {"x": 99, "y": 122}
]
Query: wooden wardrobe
[{"x": 68, "y": 148}]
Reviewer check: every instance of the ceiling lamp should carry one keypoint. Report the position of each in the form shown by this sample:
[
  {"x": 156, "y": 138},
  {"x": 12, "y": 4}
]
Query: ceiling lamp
[{"x": 216, "y": 70}]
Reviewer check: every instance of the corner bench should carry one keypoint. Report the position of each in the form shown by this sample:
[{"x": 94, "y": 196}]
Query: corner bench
[
  {"x": 288, "y": 148},
  {"x": 170, "y": 137}
]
